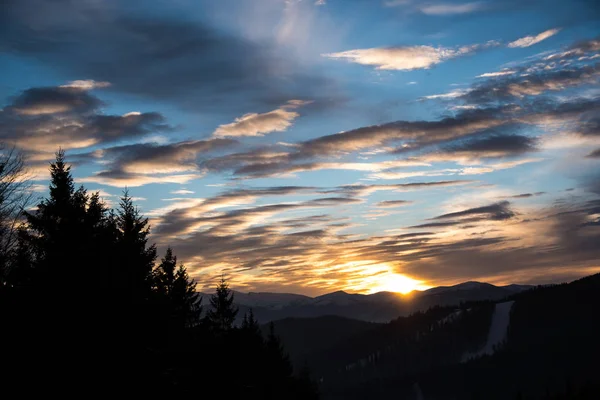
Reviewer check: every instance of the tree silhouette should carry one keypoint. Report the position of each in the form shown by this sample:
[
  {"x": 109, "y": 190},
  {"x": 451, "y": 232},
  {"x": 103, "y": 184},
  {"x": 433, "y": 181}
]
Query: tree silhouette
[
  {"x": 222, "y": 314},
  {"x": 62, "y": 233},
  {"x": 14, "y": 198},
  {"x": 186, "y": 301},
  {"x": 280, "y": 362},
  {"x": 177, "y": 292},
  {"x": 164, "y": 273},
  {"x": 250, "y": 324},
  {"x": 136, "y": 258}
]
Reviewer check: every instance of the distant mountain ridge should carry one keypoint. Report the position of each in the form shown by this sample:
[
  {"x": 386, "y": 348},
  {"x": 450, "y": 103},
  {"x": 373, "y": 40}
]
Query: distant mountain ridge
[{"x": 376, "y": 307}]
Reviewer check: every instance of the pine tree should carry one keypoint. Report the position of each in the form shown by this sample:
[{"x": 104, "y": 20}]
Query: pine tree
[
  {"x": 250, "y": 351},
  {"x": 222, "y": 315},
  {"x": 279, "y": 361},
  {"x": 278, "y": 367},
  {"x": 57, "y": 231},
  {"x": 60, "y": 258},
  {"x": 164, "y": 274},
  {"x": 177, "y": 292},
  {"x": 186, "y": 301},
  {"x": 100, "y": 230},
  {"x": 136, "y": 258},
  {"x": 250, "y": 324}
]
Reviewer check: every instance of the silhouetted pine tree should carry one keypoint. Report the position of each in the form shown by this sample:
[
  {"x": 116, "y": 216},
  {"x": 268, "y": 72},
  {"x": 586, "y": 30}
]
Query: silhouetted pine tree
[
  {"x": 222, "y": 314},
  {"x": 101, "y": 233},
  {"x": 251, "y": 351},
  {"x": 278, "y": 367},
  {"x": 61, "y": 261},
  {"x": 250, "y": 324},
  {"x": 186, "y": 301},
  {"x": 164, "y": 274},
  {"x": 136, "y": 258},
  {"x": 281, "y": 366},
  {"x": 56, "y": 228},
  {"x": 176, "y": 293}
]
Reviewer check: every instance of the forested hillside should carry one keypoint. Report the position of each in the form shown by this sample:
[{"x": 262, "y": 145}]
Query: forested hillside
[{"x": 551, "y": 351}]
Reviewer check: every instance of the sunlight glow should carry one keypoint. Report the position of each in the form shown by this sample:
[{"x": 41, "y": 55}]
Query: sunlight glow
[
  {"x": 399, "y": 283},
  {"x": 382, "y": 278}
]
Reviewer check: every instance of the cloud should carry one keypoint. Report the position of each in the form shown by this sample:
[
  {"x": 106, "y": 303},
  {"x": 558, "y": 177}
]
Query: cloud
[
  {"x": 495, "y": 74},
  {"x": 365, "y": 190},
  {"x": 473, "y": 170},
  {"x": 185, "y": 215},
  {"x": 412, "y": 174},
  {"x": 579, "y": 49},
  {"x": 406, "y": 58},
  {"x": 436, "y": 224},
  {"x": 576, "y": 117},
  {"x": 531, "y": 40},
  {"x": 393, "y": 203},
  {"x": 53, "y": 100},
  {"x": 86, "y": 84},
  {"x": 495, "y": 212},
  {"x": 514, "y": 251},
  {"x": 42, "y": 119},
  {"x": 534, "y": 83},
  {"x": 452, "y": 9},
  {"x": 264, "y": 164},
  {"x": 469, "y": 135},
  {"x": 594, "y": 154},
  {"x": 450, "y": 95},
  {"x": 495, "y": 145},
  {"x": 526, "y": 195},
  {"x": 190, "y": 215},
  {"x": 411, "y": 133},
  {"x": 254, "y": 124},
  {"x": 185, "y": 60},
  {"x": 182, "y": 191},
  {"x": 138, "y": 164},
  {"x": 121, "y": 179}
]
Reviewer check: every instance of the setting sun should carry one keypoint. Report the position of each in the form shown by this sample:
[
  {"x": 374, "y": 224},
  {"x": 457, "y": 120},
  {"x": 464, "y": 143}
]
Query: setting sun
[{"x": 400, "y": 284}]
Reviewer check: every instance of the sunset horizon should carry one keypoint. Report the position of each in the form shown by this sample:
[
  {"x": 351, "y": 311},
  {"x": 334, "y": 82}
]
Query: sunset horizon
[{"x": 291, "y": 152}]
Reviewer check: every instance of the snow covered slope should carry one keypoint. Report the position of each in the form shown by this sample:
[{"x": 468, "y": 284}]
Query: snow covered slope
[{"x": 497, "y": 332}]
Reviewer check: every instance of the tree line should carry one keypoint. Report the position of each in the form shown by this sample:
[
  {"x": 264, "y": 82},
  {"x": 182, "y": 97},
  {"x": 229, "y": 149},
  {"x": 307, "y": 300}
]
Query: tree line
[{"x": 85, "y": 305}]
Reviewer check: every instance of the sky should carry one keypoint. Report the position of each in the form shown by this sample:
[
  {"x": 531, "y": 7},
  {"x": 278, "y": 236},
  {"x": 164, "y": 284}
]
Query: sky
[{"x": 312, "y": 146}]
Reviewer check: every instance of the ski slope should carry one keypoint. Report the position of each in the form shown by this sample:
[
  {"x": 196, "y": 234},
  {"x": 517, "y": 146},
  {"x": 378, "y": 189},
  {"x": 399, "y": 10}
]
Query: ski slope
[{"x": 497, "y": 332}]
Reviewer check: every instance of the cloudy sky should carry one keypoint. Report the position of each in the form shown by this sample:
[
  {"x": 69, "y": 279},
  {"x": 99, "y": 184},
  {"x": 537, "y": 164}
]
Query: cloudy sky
[{"x": 310, "y": 146}]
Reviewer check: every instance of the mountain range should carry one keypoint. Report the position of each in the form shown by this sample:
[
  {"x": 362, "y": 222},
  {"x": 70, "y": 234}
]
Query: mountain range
[{"x": 377, "y": 307}]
